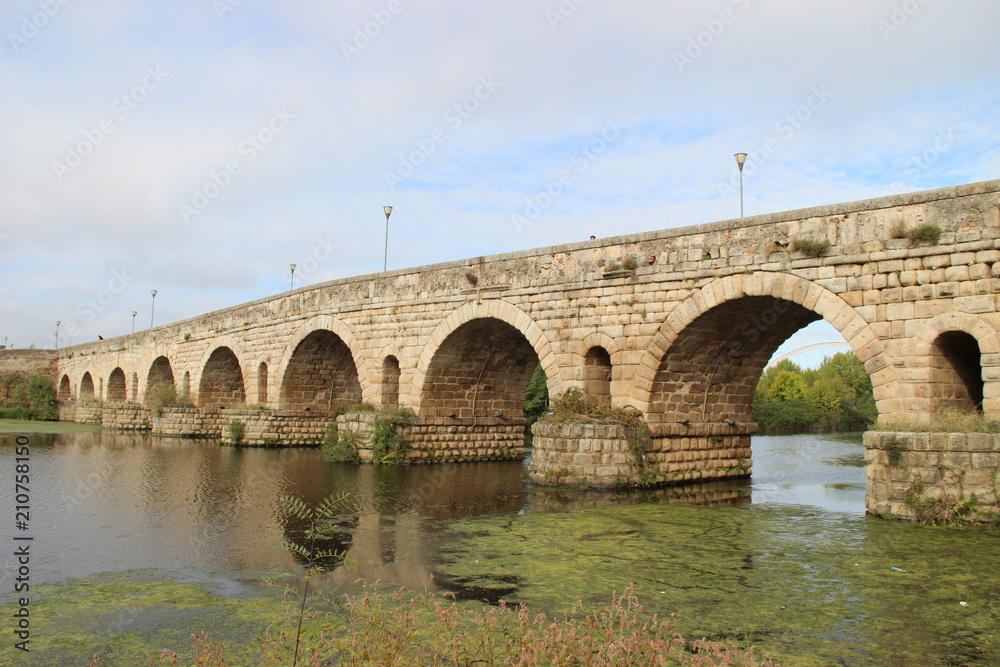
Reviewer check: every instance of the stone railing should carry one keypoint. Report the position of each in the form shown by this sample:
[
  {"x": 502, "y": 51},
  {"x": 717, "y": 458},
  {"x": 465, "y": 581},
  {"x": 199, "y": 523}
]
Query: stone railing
[{"x": 934, "y": 477}]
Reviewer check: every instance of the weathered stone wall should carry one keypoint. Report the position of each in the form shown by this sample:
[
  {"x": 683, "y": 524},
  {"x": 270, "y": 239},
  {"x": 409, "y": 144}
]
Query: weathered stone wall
[
  {"x": 598, "y": 454},
  {"x": 126, "y": 417},
  {"x": 934, "y": 476},
  {"x": 181, "y": 422},
  {"x": 18, "y": 364},
  {"x": 274, "y": 428}
]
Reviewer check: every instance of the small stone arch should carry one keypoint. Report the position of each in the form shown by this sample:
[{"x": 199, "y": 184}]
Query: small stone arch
[
  {"x": 599, "y": 356},
  {"x": 262, "y": 383},
  {"x": 959, "y": 347},
  {"x": 389, "y": 382}
]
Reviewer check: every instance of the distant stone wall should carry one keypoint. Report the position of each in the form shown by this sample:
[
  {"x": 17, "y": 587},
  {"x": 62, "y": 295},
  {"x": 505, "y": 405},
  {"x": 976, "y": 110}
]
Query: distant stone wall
[
  {"x": 22, "y": 363},
  {"x": 87, "y": 412},
  {"x": 179, "y": 422},
  {"x": 933, "y": 476}
]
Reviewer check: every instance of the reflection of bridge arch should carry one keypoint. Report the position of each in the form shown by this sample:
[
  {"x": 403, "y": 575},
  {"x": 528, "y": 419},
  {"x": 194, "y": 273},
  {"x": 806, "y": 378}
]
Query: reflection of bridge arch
[{"x": 811, "y": 347}]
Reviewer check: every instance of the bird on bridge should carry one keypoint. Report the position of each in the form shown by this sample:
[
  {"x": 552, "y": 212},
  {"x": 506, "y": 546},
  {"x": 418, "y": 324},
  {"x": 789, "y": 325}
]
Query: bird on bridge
[
  {"x": 728, "y": 421},
  {"x": 684, "y": 421}
]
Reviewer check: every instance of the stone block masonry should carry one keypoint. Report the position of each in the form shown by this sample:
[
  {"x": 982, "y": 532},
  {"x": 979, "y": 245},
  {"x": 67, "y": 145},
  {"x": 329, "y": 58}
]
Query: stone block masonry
[
  {"x": 678, "y": 323},
  {"x": 947, "y": 477}
]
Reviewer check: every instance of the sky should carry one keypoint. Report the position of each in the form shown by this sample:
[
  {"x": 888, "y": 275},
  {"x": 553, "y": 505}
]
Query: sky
[{"x": 200, "y": 147}]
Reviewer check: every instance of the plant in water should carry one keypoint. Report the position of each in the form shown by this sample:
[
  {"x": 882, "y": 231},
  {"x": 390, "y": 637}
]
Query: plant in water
[
  {"x": 237, "y": 430},
  {"x": 926, "y": 233},
  {"x": 320, "y": 526},
  {"x": 341, "y": 446}
]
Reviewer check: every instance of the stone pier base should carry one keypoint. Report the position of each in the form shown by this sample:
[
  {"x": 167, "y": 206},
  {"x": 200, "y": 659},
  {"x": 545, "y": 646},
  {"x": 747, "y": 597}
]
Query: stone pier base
[{"x": 934, "y": 477}]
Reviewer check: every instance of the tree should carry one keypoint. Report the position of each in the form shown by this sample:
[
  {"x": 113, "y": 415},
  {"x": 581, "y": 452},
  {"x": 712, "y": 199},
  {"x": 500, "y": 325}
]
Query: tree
[
  {"x": 536, "y": 398},
  {"x": 787, "y": 386}
]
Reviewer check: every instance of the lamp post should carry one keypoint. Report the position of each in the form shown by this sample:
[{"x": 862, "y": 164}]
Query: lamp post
[
  {"x": 134, "y": 313},
  {"x": 385, "y": 259},
  {"x": 291, "y": 282},
  {"x": 740, "y": 159},
  {"x": 152, "y": 308},
  {"x": 57, "y": 333}
]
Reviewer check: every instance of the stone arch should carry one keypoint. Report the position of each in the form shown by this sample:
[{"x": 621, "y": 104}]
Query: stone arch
[
  {"x": 221, "y": 384},
  {"x": 597, "y": 372},
  {"x": 116, "y": 386},
  {"x": 86, "y": 387},
  {"x": 704, "y": 362},
  {"x": 320, "y": 371},
  {"x": 65, "y": 392},
  {"x": 958, "y": 349},
  {"x": 161, "y": 374},
  {"x": 478, "y": 361}
]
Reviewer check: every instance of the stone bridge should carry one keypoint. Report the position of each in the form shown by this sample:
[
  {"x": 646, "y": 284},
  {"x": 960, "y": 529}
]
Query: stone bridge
[{"x": 678, "y": 323}]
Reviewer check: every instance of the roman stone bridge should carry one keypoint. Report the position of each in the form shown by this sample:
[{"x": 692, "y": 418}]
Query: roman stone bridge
[{"x": 678, "y": 323}]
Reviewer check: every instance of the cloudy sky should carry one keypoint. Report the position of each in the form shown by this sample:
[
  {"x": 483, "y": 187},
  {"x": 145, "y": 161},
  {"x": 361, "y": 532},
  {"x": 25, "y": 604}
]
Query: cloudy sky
[{"x": 198, "y": 147}]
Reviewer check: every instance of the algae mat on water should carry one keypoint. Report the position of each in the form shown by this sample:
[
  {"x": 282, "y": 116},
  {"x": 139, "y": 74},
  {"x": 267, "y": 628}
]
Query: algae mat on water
[
  {"x": 808, "y": 586},
  {"x": 127, "y": 618}
]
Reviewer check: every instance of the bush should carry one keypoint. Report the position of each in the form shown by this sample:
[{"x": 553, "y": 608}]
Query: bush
[
  {"x": 20, "y": 414},
  {"x": 810, "y": 248},
  {"x": 237, "y": 430},
  {"x": 388, "y": 446},
  {"x": 164, "y": 394},
  {"x": 33, "y": 397},
  {"x": 339, "y": 446},
  {"x": 930, "y": 234}
]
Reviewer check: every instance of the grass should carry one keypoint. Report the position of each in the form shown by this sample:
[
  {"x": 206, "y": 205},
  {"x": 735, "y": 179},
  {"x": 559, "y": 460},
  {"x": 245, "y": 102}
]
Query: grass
[
  {"x": 929, "y": 234},
  {"x": 810, "y": 248},
  {"x": 402, "y": 628}
]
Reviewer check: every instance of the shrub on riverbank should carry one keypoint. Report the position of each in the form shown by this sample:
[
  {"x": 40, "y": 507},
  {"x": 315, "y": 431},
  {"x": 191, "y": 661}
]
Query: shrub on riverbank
[{"x": 31, "y": 398}]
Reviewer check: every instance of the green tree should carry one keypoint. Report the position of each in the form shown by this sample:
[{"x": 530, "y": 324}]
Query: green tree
[
  {"x": 41, "y": 397},
  {"x": 787, "y": 386},
  {"x": 536, "y": 398}
]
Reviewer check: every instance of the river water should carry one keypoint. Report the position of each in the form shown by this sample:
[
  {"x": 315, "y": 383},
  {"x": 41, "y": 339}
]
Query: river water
[{"x": 786, "y": 561}]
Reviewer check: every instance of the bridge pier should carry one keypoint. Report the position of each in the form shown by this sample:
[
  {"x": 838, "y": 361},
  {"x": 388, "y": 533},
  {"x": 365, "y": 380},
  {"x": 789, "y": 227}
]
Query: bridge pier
[{"x": 601, "y": 455}]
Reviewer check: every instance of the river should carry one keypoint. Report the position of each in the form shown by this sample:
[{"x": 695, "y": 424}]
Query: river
[{"x": 187, "y": 530}]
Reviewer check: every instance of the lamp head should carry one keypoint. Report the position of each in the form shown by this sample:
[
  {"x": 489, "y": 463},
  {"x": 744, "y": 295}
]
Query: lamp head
[
  {"x": 153, "y": 292},
  {"x": 740, "y": 159},
  {"x": 388, "y": 211}
]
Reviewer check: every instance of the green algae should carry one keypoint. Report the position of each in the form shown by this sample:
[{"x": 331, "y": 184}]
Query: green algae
[
  {"x": 126, "y": 618},
  {"x": 808, "y": 586}
]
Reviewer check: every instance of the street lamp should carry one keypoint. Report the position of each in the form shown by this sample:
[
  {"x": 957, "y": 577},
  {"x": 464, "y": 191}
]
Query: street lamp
[
  {"x": 740, "y": 159},
  {"x": 291, "y": 283},
  {"x": 134, "y": 313},
  {"x": 57, "y": 333},
  {"x": 152, "y": 308},
  {"x": 385, "y": 259}
]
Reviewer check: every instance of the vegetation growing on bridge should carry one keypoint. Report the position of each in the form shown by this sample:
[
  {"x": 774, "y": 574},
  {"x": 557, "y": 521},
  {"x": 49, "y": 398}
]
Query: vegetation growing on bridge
[
  {"x": 32, "y": 397},
  {"x": 836, "y": 396}
]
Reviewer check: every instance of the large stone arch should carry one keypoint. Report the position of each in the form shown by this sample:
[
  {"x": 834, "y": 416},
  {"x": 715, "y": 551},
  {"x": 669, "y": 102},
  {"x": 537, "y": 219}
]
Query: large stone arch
[
  {"x": 228, "y": 393},
  {"x": 704, "y": 362},
  {"x": 320, "y": 368},
  {"x": 87, "y": 391},
  {"x": 117, "y": 391},
  {"x": 923, "y": 354},
  {"x": 478, "y": 360},
  {"x": 160, "y": 373},
  {"x": 221, "y": 383}
]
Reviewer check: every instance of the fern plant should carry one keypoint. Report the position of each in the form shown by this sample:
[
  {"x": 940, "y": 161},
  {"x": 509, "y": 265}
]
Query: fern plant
[{"x": 320, "y": 525}]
